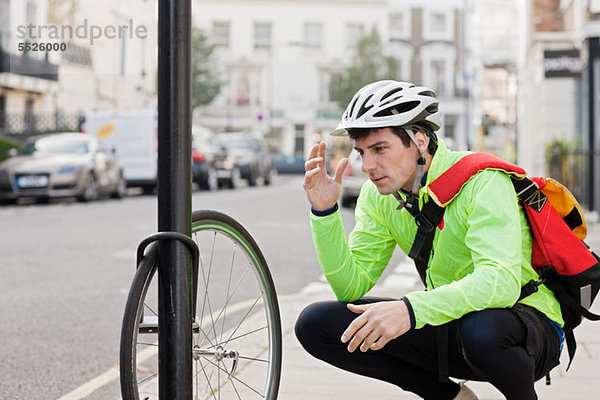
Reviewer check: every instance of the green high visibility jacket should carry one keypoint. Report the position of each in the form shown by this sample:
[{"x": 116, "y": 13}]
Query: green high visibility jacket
[{"x": 481, "y": 252}]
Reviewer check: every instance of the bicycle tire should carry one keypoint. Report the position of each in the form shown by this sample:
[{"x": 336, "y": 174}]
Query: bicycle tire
[{"x": 258, "y": 349}]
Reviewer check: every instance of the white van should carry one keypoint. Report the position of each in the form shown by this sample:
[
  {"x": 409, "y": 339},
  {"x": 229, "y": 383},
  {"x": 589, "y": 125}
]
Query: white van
[{"x": 134, "y": 136}]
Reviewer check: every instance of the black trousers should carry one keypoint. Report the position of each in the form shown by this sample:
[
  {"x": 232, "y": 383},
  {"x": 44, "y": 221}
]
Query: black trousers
[{"x": 510, "y": 348}]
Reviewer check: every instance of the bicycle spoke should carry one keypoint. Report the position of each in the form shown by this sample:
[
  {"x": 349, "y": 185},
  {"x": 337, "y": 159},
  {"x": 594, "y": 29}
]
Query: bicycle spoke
[
  {"x": 151, "y": 309},
  {"x": 243, "y": 319},
  {"x": 242, "y": 335},
  {"x": 235, "y": 389},
  {"x": 254, "y": 359},
  {"x": 154, "y": 375},
  {"x": 148, "y": 344},
  {"x": 228, "y": 300},
  {"x": 212, "y": 391},
  {"x": 206, "y": 280},
  {"x": 227, "y": 293},
  {"x": 237, "y": 379}
]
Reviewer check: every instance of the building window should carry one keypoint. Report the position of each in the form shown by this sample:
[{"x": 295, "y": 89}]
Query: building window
[
  {"x": 28, "y": 116},
  {"x": 262, "y": 35},
  {"x": 328, "y": 81},
  {"x": 313, "y": 32},
  {"x": 2, "y": 112},
  {"x": 438, "y": 22},
  {"x": 354, "y": 32},
  {"x": 31, "y": 13},
  {"x": 220, "y": 33},
  {"x": 4, "y": 23},
  {"x": 438, "y": 76},
  {"x": 77, "y": 54},
  {"x": 399, "y": 25},
  {"x": 299, "y": 138},
  {"x": 438, "y": 25},
  {"x": 450, "y": 127}
]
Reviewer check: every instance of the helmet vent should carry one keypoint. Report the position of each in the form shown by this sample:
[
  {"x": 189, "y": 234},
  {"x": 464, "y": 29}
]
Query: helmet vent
[
  {"x": 391, "y": 92},
  {"x": 399, "y": 109},
  {"x": 428, "y": 93},
  {"x": 351, "y": 107},
  {"x": 432, "y": 109},
  {"x": 364, "y": 109}
]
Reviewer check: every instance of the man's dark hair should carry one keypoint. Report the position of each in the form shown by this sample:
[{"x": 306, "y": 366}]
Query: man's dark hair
[{"x": 359, "y": 133}]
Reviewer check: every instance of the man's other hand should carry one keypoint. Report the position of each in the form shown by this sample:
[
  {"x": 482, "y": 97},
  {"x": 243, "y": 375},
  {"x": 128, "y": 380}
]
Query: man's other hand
[{"x": 377, "y": 324}]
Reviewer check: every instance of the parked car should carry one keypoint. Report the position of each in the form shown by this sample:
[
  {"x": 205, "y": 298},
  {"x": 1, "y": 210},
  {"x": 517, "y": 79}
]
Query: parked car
[
  {"x": 353, "y": 180},
  {"x": 253, "y": 159},
  {"x": 288, "y": 164},
  {"x": 62, "y": 165},
  {"x": 213, "y": 166}
]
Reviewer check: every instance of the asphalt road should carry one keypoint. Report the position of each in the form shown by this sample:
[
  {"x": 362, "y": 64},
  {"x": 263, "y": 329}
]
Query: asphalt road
[{"x": 66, "y": 268}]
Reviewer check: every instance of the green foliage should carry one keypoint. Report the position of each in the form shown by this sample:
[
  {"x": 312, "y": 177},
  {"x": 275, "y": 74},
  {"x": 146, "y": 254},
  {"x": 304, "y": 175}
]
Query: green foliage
[
  {"x": 565, "y": 163},
  {"x": 369, "y": 64},
  {"x": 6, "y": 144},
  {"x": 205, "y": 81}
]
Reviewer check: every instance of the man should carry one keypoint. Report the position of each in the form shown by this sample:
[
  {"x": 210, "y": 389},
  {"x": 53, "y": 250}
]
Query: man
[{"x": 480, "y": 258}]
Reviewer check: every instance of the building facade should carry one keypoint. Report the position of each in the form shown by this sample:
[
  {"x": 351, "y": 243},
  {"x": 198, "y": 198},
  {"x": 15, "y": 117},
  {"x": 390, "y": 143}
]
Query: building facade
[
  {"x": 559, "y": 106},
  {"x": 278, "y": 59},
  {"x": 60, "y": 59}
]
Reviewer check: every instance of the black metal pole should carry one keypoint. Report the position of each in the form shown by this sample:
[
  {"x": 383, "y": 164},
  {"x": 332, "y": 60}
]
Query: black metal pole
[
  {"x": 593, "y": 56},
  {"x": 174, "y": 198}
]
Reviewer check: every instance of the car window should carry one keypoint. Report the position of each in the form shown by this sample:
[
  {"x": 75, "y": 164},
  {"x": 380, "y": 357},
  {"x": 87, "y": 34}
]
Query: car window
[
  {"x": 56, "y": 146},
  {"x": 236, "y": 143}
]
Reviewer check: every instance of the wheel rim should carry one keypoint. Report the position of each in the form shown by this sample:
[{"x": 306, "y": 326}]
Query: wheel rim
[
  {"x": 236, "y": 177},
  {"x": 90, "y": 191},
  {"x": 236, "y": 338},
  {"x": 213, "y": 181}
]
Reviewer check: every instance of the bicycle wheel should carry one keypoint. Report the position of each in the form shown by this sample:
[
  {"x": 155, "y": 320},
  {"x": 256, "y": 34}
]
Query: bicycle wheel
[{"x": 236, "y": 345}]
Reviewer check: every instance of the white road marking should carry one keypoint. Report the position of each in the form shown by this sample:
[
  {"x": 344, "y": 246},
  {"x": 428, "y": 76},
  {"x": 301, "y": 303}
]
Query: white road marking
[{"x": 110, "y": 375}]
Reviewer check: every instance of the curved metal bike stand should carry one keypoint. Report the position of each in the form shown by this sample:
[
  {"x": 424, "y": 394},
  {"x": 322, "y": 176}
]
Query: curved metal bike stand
[
  {"x": 219, "y": 352},
  {"x": 160, "y": 236}
]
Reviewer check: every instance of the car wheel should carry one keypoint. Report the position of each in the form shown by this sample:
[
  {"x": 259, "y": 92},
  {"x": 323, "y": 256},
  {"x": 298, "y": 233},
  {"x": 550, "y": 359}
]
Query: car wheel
[
  {"x": 268, "y": 176},
  {"x": 252, "y": 178},
  {"x": 236, "y": 177},
  {"x": 120, "y": 189},
  {"x": 210, "y": 182},
  {"x": 345, "y": 200},
  {"x": 90, "y": 192}
]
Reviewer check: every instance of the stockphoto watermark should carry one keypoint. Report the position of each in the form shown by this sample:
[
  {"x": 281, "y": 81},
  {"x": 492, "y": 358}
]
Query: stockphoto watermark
[{"x": 58, "y": 34}]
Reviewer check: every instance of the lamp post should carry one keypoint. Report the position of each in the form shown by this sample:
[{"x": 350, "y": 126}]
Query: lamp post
[{"x": 174, "y": 198}]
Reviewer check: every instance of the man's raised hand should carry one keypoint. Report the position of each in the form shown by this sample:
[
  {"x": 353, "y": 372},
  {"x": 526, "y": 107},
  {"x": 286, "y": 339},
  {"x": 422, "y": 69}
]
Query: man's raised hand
[{"x": 322, "y": 190}]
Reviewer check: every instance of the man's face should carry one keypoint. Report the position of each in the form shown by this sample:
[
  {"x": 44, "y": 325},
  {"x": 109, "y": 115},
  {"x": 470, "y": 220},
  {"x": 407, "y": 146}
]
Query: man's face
[{"x": 389, "y": 164}]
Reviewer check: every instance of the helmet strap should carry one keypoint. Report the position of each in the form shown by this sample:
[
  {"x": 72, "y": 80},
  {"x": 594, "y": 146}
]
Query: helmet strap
[{"x": 416, "y": 185}]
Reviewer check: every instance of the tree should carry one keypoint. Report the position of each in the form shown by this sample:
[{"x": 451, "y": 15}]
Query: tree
[
  {"x": 369, "y": 64},
  {"x": 205, "y": 81}
]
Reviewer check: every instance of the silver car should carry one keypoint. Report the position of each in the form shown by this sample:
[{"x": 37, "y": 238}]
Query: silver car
[{"x": 61, "y": 165}]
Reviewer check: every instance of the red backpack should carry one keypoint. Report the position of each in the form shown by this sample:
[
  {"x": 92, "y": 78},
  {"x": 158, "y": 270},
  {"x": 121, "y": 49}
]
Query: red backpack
[{"x": 563, "y": 261}]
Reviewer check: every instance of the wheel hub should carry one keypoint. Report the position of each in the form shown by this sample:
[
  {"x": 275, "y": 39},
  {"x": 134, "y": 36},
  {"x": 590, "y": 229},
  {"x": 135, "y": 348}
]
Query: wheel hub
[{"x": 219, "y": 353}]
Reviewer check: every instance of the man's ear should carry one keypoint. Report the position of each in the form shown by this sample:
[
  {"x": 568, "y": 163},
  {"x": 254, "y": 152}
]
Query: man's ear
[{"x": 423, "y": 140}]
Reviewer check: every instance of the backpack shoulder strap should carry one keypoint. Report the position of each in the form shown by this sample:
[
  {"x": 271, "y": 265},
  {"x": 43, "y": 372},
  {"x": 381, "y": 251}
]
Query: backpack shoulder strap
[{"x": 448, "y": 185}]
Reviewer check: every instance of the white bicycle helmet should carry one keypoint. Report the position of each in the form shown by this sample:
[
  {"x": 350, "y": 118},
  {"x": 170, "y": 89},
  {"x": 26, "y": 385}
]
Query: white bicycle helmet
[{"x": 390, "y": 103}]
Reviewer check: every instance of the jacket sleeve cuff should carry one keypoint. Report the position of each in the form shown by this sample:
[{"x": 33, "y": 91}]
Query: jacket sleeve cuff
[
  {"x": 324, "y": 213},
  {"x": 411, "y": 313}
]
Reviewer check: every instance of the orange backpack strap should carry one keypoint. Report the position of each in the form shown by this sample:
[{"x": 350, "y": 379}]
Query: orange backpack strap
[{"x": 448, "y": 185}]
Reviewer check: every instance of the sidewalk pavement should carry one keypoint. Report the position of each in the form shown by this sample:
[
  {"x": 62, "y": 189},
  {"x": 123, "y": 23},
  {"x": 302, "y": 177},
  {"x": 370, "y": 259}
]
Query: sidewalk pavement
[{"x": 304, "y": 377}]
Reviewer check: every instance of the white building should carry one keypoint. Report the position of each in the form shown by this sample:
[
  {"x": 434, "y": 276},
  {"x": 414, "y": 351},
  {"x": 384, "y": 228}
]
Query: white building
[
  {"x": 427, "y": 37},
  {"x": 278, "y": 58},
  {"x": 28, "y": 80},
  {"x": 61, "y": 59}
]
